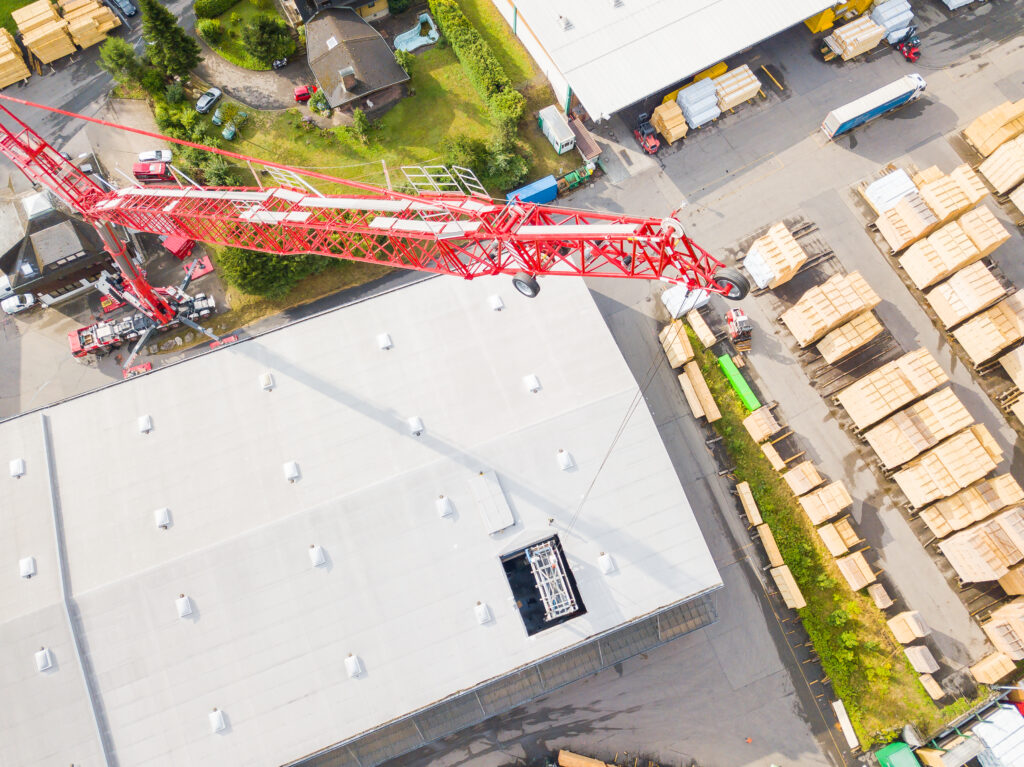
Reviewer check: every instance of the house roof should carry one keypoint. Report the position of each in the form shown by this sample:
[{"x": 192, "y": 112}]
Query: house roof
[
  {"x": 338, "y": 39},
  {"x": 52, "y": 241}
]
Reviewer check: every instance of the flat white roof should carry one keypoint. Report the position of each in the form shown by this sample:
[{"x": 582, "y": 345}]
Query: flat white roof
[
  {"x": 269, "y": 635},
  {"x": 616, "y": 54}
]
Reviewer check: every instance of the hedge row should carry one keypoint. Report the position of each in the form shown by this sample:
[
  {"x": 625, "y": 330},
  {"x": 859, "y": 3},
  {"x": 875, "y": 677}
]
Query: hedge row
[
  {"x": 482, "y": 68},
  {"x": 208, "y": 9}
]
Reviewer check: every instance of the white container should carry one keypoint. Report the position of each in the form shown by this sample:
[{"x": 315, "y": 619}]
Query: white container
[{"x": 556, "y": 129}]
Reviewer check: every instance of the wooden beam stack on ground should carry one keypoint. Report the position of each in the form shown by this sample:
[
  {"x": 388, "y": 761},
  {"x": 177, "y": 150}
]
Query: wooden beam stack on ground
[
  {"x": 669, "y": 121},
  {"x": 911, "y": 431},
  {"x": 921, "y": 659},
  {"x": 947, "y": 197},
  {"x": 933, "y": 688},
  {"x": 825, "y": 503},
  {"x": 12, "y": 63},
  {"x": 951, "y": 466},
  {"x": 839, "y": 536},
  {"x": 676, "y": 343},
  {"x": 992, "y": 668},
  {"x": 939, "y": 255},
  {"x": 827, "y": 306},
  {"x": 984, "y": 229},
  {"x": 700, "y": 387},
  {"x": 773, "y": 456},
  {"x": 987, "y": 550},
  {"x": 750, "y": 510},
  {"x": 88, "y": 21},
  {"x": 972, "y": 504},
  {"x": 890, "y": 387},
  {"x": 848, "y": 338},
  {"x": 700, "y": 327},
  {"x": 771, "y": 548},
  {"x": 43, "y": 31},
  {"x": 788, "y": 589},
  {"x": 995, "y": 127},
  {"x": 859, "y": 36},
  {"x": 761, "y": 424},
  {"x": 994, "y": 330},
  {"x": 35, "y": 15},
  {"x": 775, "y": 258},
  {"x": 1005, "y": 629},
  {"x": 569, "y": 759},
  {"x": 908, "y": 627},
  {"x": 803, "y": 478},
  {"x": 1013, "y": 364},
  {"x": 856, "y": 570},
  {"x": 879, "y": 596},
  {"x": 1004, "y": 170},
  {"x": 963, "y": 295},
  {"x": 906, "y": 222},
  {"x": 1017, "y": 198},
  {"x": 736, "y": 86},
  {"x": 1013, "y": 581}
]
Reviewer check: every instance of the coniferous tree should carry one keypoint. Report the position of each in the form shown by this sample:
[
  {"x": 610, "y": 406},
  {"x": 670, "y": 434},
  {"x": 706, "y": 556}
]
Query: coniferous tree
[{"x": 170, "y": 48}]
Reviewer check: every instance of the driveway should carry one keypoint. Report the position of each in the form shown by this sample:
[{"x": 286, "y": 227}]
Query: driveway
[{"x": 259, "y": 90}]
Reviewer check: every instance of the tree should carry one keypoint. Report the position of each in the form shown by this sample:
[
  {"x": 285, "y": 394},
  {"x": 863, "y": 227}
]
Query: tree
[
  {"x": 171, "y": 49},
  {"x": 361, "y": 125},
  {"x": 266, "y": 38},
  {"x": 118, "y": 58},
  {"x": 219, "y": 172},
  {"x": 264, "y": 275},
  {"x": 405, "y": 60}
]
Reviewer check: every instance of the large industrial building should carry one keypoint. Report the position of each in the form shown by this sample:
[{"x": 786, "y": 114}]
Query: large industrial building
[
  {"x": 338, "y": 541},
  {"x": 609, "y": 54}
]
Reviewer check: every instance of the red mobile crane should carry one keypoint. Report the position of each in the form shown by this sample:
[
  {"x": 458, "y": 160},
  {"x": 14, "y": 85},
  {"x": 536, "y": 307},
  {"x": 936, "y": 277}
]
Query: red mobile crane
[{"x": 450, "y": 226}]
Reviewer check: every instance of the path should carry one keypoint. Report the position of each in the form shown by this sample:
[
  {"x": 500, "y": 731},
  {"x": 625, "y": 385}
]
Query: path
[{"x": 273, "y": 89}]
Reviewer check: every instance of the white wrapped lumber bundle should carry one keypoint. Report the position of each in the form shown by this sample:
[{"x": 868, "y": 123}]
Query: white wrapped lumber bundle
[
  {"x": 775, "y": 258},
  {"x": 676, "y": 344},
  {"x": 987, "y": 550},
  {"x": 992, "y": 668},
  {"x": 997, "y": 126},
  {"x": 893, "y": 15},
  {"x": 908, "y": 627},
  {"x": 12, "y": 64},
  {"x": 1004, "y": 170},
  {"x": 856, "y": 571},
  {"x": 951, "y": 466},
  {"x": 908, "y": 433},
  {"x": 668, "y": 120},
  {"x": 921, "y": 659},
  {"x": 735, "y": 87},
  {"x": 906, "y": 222},
  {"x": 1005, "y": 629},
  {"x": 972, "y": 504},
  {"x": 995, "y": 329},
  {"x": 883, "y": 193},
  {"x": 699, "y": 103},
  {"x": 946, "y": 197},
  {"x": 827, "y": 306},
  {"x": 761, "y": 424},
  {"x": 35, "y": 15},
  {"x": 49, "y": 43},
  {"x": 1013, "y": 364},
  {"x": 848, "y": 338},
  {"x": 859, "y": 36},
  {"x": 788, "y": 589},
  {"x": 826, "y": 502},
  {"x": 890, "y": 387},
  {"x": 984, "y": 229},
  {"x": 936, "y": 257},
  {"x": 802, "y": 478},
  {"x": 965, "y": 294}
]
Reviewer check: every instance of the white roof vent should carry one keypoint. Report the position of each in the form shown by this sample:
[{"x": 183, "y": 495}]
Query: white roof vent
[
  {"x": 483, "y": 613},
  {"x": 444, "y": 506},
  {"x": 317, "y": 555},
  {"x": 217, "y": 721},
  {"x": 145, "y": 424},
  {"x": 291, "y": 472},
  {"x": 17, "y": 467},
  {"x": 496, "y": 303},
  {"x": 162, "y": 517},
  {"x": 27, "y": 567},
  {"x": 353, "y": 666},
  {"x": 267, "y": 381},
  {"x": 606, "y": 563},
  {"x": 532, "y": 383},
  {"x": 384, "y": 341},
  {"x": 565, "y": 460},
  {"x": 564, "y": 23},
  {"x": 184, "y": 605},
  {"x": 415, "y": 425},
  {"x": 44, "y": 659}
]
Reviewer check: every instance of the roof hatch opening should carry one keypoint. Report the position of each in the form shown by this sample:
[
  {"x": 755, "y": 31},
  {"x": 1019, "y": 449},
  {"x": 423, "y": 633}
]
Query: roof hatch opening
[{"x": 543, "y": 585}]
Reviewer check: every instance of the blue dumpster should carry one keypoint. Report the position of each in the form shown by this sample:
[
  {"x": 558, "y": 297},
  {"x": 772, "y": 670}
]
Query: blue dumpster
[{"x": 540, "y": 191}]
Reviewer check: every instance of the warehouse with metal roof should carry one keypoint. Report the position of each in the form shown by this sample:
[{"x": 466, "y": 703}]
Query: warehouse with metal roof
[
  {"x": 612, "y": 53},
  {"x": 337, "y": 541}
]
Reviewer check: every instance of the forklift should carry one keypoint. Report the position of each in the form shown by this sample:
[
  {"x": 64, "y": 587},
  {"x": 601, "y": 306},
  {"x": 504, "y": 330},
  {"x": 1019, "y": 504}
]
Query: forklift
[{"x": 740, "y": 329}]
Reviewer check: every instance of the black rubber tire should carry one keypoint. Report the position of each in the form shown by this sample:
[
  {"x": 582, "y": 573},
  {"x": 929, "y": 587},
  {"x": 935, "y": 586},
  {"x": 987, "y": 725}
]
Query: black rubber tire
[
  {"x": 526, "y": 284},
  {"x": 738, "y": 285}
]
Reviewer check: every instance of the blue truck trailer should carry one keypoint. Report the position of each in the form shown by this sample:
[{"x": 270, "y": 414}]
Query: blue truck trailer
[{"x": 847, "y": 117}]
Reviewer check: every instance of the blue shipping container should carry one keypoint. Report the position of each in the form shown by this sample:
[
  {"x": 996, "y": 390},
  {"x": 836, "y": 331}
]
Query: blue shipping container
[{"x": 540, "y": 191}]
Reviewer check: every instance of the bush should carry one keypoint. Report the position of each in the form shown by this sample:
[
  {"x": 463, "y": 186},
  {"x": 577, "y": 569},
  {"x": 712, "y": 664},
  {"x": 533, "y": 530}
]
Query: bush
[
  {"x": 262, "y": 274},
  {"x": 211, "y": 30},
  {"x": 208, "y": 9},
  {"x": 318, "y": 103},
  {"x": 398, "y": 6},
  {"x": 152, "y": 82},
  {"x": 266, "y": 38},
  {"x": 361, "y": 125},
  {"x": 496, "y": 163},
  {"x": 405, "y": 60},
  {"x": 174, "y": 94},
  {"x": 263, "y": 5},
  {"x": 234, "y": 19}
]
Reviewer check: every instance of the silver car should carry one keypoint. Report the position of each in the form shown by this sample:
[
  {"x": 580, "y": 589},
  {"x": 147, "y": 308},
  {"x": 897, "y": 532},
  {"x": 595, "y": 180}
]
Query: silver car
[
  {"x": 19, "y": 303},
  {"x": 207, "y": 100},
  {"x": 156, "y": 155}
]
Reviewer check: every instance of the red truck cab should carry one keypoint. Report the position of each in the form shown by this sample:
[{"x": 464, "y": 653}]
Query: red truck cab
[{"x": 152, "y": 171}]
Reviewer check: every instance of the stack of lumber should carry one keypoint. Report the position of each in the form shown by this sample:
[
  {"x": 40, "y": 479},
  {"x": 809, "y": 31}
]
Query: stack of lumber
[
  {"x": 1005, "y": 168},
  {"x": 12, "y": 64},
  {"x": 761, "y": 424},
  {"x": 88, "y": 21},
  {"x": 848, "y": 338},
  {"x": 921, "y": 426},
  {"x": 942, "y": 253},
  {"x": 825, "y": 503},
  {"x": 788, "y": 589},
  {"x": 890, "y": 387},
  {"x": 1005, "y": 629},
  {"x": 676, "y": 344},
  {"x": 698, "y": 395},
  {"x": 992, "y": 668},
  {"x": 887, "y": 190},
  {"x": 908, "y": 626},
  {"x": 700, "y": 328},
  {"x": 965, "y": 294},
  {"x": 735, "y": 87},
  {"x": 827, "y": 306},
  {"x": 43, "y": 32},
  {"x": 773, "y": 456},
  {"x": 856, "y": 570},
  {"x": 803, "y": 478},
  {"x": 569, "y": 759},
  {"x": 970, "y": 183},
  {"x": 997, "y": 126},
  {"x": 857, "y": 37},
  {"x": 699, "y": 103},
  {"x": 668, "y": 120},
  {"x": 1013, "y": 581},
  {"x": 996, "y": 328},
  {"x": 1017, "y": 198},
  {"x": 950, "y": 196},
  {"x": 921, "y": 659},
  {"x": 880, "y": 596},
  {"x": 972, "y": 504},
  {"x": 951, "y": 466},
  {"x": 838, "y": 536},
  {"x": 750, "y": 510},
  {"x": 933, "y": 688},
  {"x": 771, "y": 548},
  {"x": 984, "y": 229},
  {"x": 775, "y": 258},
  {"x": 1013, "y": 364},
  {"x": 987, "y": 550},
  {"x": 906, "y": 222}
]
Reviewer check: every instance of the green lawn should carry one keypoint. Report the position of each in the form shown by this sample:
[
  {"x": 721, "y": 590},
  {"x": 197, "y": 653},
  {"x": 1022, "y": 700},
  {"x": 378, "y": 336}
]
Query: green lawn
[
  {"x": 231, "y": 47},
  {"x": 7, "y": 7}
]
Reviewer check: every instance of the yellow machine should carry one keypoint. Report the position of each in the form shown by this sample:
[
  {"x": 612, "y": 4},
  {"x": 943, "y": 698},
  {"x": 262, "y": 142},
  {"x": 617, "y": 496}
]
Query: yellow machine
[{"x": 840, "y": 12}]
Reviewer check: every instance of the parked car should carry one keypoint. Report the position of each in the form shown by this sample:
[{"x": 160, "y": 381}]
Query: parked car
[
  {"x": 156, "y": 155},
  {"x": 207, "y": 100},
  {"x": 152, "y": 171},
  {"x": 232, "y": 127},
  {"x": 15, "y": 304},
  {"x": 280, "y": 63},
  {"x": 218, "y": 117},
  {"x": 127, "y": 7},
  {"x": 304, "y": 92}
]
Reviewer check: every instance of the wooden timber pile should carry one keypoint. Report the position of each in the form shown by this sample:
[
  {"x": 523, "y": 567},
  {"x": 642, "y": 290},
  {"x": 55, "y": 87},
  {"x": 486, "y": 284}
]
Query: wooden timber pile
[
  {"x": 857, "y": 37},
  {"x": 826, "y": 502},
  {"x": 908, "y": 433},
  {"x": 788, "y": 588},
  {"x": 676, "y": 344},
  {"x": 993, "y": 668},
  {"x": 951, "y": 466},
  {"x": 12, "y": 63},
  {"x": 908, "y": 627},
  {"x": 827, "y": 306},
  {"x": 43, "y": 31},
  {"x": 950, "y": 196},
  {"x": 839, "y": 536},
  {"x": 775, "y": 258},
  {"x": 992, "y": 331},
  {"x": 1005, "y": 629},
  {"x": 848, "y": 338},
  {"x": 987, "y": 550},
  {"x": 803, "y": 478},
  {"x": 997, "y": 126},
  {"x": 972, "y": 504},
  {"x": 761, "y": 424},
  {"x": 736, "y": 86},
  {"x": 669, "y": 121},
  {"x": 984, "y": 229},
  {"x": 906, "y": 222},
  {"x": 890, "y": 387},
  {"x": 959, "y": 243},
  {"x": 88, "y": 21},
  {"x": 856, "y": 570},
  {"x": 1017, "y": 198},
  {"x": 1004, "y": 170},
  {"x": 1013, "y": 363},
  {"x": 963, "y": 295}
]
